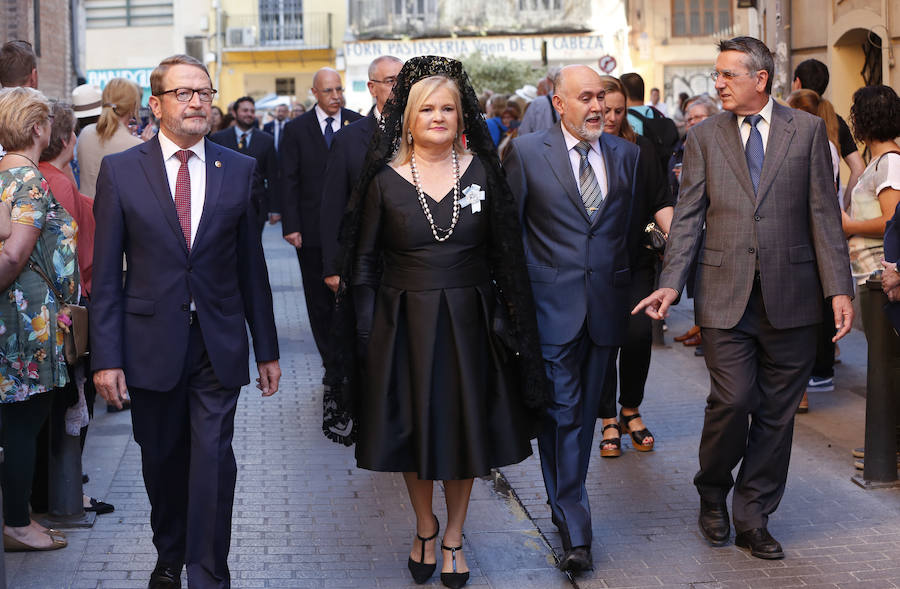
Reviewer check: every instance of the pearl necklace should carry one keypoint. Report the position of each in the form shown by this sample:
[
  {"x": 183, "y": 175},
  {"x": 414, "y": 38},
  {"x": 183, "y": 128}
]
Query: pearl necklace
[{"x": 434, "y": 229}]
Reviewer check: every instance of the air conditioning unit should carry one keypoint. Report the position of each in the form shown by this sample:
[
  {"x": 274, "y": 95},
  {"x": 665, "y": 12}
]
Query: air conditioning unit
[{"x": 241, "y": 36}]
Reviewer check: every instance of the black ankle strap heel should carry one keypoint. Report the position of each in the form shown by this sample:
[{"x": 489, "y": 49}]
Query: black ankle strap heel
[
  {"x": 421, "y": 571},
  {"x": 454, "y": 580}
]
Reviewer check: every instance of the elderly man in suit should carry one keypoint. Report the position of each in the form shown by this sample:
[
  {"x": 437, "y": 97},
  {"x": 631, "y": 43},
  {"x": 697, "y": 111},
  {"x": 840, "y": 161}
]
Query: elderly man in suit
[
  {"x": 304, "y": 153},
  {"x": 576, "y": 187},
  {"x": 345, "y": 162},
  {"x": 174, "y": 336},
  {"x": 246, "y": 138},
  {"x": 759, "y": 176}
]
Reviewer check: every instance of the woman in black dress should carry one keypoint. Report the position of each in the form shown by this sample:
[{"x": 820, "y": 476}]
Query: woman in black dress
[{"x": 433, "y": 258}]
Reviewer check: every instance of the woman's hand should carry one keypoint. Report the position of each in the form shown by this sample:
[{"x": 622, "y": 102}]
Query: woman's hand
[{"x": 64, "y": 319}]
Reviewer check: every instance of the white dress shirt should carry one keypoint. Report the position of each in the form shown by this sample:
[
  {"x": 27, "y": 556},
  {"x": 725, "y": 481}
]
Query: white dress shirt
[
  {"x": 278, "y": 127},
  {"x": 595, "y": 159},
  {"x": 322, "y": 115},
  {"x": 762, "y": 126},
  {"x": 197, "y": 170}
]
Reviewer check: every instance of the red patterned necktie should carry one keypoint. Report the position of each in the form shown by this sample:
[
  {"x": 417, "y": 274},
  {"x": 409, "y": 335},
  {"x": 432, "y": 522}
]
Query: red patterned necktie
[{"x": 183, "y": 194}]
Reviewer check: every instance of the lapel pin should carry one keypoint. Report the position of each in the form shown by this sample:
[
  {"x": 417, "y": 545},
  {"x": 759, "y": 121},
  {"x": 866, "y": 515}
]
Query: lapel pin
[
  {"x": 218, "y": 164},
  {"x": 346, "y": 122}
]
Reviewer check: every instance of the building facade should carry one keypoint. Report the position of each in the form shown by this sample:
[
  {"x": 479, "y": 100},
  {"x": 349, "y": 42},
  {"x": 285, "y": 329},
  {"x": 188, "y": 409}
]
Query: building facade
[
  {"x": 47, "y": 25},
  {"x": 543, "y": 33},
  {"x": 273, "y": 47}
]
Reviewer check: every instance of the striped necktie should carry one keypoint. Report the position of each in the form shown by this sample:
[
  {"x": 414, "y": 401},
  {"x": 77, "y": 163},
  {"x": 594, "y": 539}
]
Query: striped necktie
[{"x": 591, "y": 195}]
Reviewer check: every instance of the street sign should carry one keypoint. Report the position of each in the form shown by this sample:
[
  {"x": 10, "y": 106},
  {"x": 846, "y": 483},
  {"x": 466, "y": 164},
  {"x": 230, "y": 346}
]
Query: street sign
[{"x": 607, "y": 63}]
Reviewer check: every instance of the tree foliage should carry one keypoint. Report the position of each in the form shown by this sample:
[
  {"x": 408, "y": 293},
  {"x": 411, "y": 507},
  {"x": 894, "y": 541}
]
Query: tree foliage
[{"x": 498, "y": 74}]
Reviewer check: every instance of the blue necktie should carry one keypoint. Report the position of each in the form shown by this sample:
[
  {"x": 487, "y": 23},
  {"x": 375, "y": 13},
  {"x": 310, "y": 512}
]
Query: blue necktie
[
  {"x": 329, "y": 132},
  {"x": 753, "y": 151}
]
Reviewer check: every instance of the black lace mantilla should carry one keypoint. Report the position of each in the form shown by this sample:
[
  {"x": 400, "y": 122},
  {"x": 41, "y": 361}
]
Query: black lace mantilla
[{"x": 507, "y": 257}]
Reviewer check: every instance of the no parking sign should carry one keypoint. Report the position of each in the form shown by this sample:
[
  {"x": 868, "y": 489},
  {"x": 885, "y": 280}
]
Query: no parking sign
[{"x": 607, "y": 63}]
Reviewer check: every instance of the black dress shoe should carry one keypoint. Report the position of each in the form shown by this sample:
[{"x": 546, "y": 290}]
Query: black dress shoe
[
  {"x": 714, "y": 522},
  {"x": 577, "y": 560},
  {"x": 165, "y": 576},
  {"x": 761, "y": 544}
]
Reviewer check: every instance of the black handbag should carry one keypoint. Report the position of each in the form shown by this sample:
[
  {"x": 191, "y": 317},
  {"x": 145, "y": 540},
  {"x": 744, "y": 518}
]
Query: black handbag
[{"x": 655, "y": 239}]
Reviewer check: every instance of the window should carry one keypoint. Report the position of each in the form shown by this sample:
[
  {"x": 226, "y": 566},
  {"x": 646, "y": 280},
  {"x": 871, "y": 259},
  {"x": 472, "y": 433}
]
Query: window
[
  {"x": 193, "y": 46},
  {"x": 285, "y": 86},
  {"x": 414, "y": 7},
  {"x": 280, "y": 22},
  {"x": 535, "y": 5},
  {"x": 127, "y": 13},
  {"x": 695, "y": 18}
]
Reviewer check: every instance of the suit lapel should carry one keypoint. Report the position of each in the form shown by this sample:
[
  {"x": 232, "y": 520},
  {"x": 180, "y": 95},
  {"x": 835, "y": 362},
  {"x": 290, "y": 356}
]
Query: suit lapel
[
  {"x": 315, "y": 131},
  {"x": 781, "y": 130},
  {"x": 157, "y": 179},
  {"x": 557, "y": 156},
  {"x": 729, "y": 140},
  {"x": 610, "y": 155},
  {"x": 213, "y": 188}
]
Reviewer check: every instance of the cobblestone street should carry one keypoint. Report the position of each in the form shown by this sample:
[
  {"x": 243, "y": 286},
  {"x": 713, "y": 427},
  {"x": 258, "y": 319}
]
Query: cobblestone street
[{"x": 305, "y": 516}]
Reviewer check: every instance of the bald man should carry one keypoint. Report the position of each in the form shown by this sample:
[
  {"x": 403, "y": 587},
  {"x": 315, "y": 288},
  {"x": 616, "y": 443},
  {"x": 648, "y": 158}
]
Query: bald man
[
  {"x": 304, "y": 153},
  {"x": 577, "y": 253}
]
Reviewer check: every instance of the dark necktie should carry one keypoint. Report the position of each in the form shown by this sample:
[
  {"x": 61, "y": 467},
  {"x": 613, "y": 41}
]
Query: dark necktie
[
  {"x": 183, "y": 194},
  {"x": 243, "y": 141},
  {"x": 329, "y": 132},
  {"x": 753, "y": 151},
  {"x": 591, "y": 195}
]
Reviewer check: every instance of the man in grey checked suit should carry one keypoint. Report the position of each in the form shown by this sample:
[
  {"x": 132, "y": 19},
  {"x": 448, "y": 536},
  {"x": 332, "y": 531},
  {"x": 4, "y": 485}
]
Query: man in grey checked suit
[{"x": 759, "y": 175}]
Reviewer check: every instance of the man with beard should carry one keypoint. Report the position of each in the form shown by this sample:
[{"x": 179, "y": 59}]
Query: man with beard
[
  {"x": 246, "y": 138},
  {"x": 345, "y": 162},
  {"x": 276, "y": 128},
  {"x": 304, "y": 152},
  {"x": 174, "y": 336},
  {"x": 575, "y": 187}
]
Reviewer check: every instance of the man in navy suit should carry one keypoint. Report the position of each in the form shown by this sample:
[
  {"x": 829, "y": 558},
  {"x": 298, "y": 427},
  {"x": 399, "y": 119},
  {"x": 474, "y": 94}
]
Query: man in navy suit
[
  {"x": 276, "y": 128},
  {"x": 345, "y": 162},
  {"x": 575, "y": 187},
  {"x": 304, "y": 152},
  {"x": 174, "y": 336},
  {"x": 246, "y": 138}
]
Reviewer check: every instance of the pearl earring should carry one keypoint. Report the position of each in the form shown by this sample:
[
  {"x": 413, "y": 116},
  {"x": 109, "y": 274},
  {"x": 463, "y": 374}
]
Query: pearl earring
[{"x": 409, "y": 137}]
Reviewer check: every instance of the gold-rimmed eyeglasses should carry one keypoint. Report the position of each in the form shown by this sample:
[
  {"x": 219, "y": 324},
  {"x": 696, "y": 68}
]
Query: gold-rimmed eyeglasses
[{"x": 728, "y": 75}]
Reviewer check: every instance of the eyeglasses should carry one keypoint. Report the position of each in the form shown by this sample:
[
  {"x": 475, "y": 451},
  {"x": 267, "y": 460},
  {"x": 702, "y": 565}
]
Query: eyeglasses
[
  {"x": 187, "y": 94},
  {"x": 697, "y": 118},
  {"x": 729, "y": 75},
  {"x": 337, "y": 90},
  {"x": 390, "y": 81}
]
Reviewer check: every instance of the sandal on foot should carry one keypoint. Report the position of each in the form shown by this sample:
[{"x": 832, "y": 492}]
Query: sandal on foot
[
  {"x": 422, "y": 571},
  {"x": 611, "y": 447},
  {"x": 637, "y": 437},
  {"x": 454, "y": 580}
]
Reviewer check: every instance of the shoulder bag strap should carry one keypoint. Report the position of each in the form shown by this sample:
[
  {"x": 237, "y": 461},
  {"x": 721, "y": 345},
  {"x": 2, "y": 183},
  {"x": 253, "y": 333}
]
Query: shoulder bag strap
[{"x": 59, "y": 298}]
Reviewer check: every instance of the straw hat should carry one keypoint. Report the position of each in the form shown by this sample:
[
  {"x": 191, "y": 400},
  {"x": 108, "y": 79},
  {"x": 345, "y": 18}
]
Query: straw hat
[{"x": 87, "y": 100}]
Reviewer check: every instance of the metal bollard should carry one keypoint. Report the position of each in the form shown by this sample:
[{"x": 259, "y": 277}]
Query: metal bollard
[
  {"x": 65, "y": 493},
  {"x": 882, "y": 386}
]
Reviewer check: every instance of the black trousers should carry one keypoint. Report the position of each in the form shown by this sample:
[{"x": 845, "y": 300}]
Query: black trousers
[
  {"x": 757, "y": 377},
  {"x": 824, "y": 366},
  {"x": 319, "y": 298},
  {"x": 634, "y": 355},
  {"x": 189, "y": 467},
  {"x": 22, "y": 422}
]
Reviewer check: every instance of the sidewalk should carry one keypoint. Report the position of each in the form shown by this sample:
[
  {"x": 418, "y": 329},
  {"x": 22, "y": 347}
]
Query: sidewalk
[{"x": 305, "y": 516}]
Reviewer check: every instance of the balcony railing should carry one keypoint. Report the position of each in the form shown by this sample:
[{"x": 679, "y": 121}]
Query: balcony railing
[{"x": 287, "y": 30}]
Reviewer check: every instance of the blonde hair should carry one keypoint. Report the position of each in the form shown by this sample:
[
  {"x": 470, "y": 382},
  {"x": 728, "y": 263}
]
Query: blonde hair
[
  {"x": 613, "y": 85},
  {"x": 418, "y": 94},
  {"x": 809, "y": 101},
  {"x": 121, "y": 98},
  {"x": 20, "y": 110}
]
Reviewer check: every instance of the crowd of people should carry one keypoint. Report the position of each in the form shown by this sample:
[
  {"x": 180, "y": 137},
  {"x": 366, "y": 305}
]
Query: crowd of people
[{"x": 479, "y": 271}]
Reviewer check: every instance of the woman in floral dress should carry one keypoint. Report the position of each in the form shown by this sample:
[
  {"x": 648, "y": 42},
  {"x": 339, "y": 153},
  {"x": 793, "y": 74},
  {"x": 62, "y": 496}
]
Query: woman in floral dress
[{"x": 32, "y": 364}]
